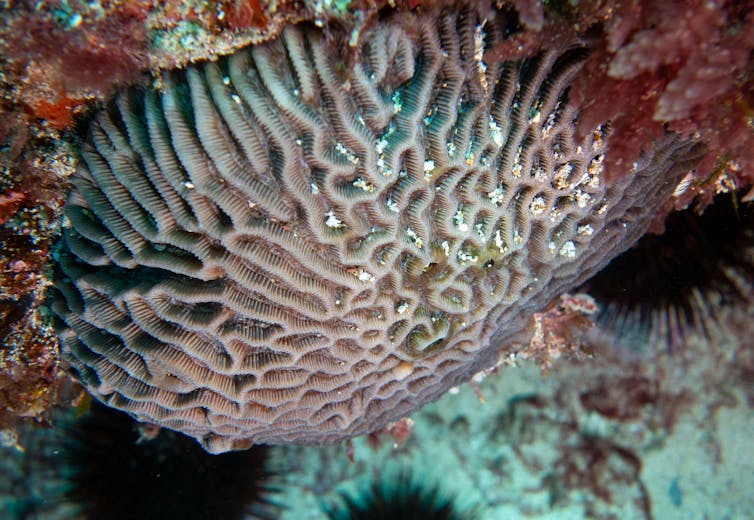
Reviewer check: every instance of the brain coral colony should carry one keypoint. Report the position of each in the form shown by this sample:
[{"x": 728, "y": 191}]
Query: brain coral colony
[
  {"x": 291, "y": 245},
  {"x": 295, "y": 244},
  {"x": 319, "y": 233}
]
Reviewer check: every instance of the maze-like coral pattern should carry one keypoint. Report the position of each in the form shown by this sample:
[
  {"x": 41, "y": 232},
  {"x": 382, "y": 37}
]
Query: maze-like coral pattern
[{"x": 300, "y": 243}]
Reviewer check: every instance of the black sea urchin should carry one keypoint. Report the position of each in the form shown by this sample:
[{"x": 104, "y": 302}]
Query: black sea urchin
[
  {"x": 670, "y": 284},
  {"x": 111, "y": 473},
  {"x": 398, "y": 497},
  {"x": 304, "y": 241}
]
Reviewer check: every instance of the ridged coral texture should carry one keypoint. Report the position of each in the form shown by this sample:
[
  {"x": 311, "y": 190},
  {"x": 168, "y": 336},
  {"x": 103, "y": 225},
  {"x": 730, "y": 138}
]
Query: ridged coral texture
[{"x": 304, "y": 241}]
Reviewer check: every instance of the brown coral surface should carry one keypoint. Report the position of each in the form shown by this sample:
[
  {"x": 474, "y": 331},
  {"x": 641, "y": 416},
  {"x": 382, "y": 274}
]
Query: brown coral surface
[{"x": 299, "y": 244}]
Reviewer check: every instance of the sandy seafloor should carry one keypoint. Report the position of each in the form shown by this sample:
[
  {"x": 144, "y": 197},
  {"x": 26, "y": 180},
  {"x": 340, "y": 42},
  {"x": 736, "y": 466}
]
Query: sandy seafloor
[{"x": 616, "y": 436}]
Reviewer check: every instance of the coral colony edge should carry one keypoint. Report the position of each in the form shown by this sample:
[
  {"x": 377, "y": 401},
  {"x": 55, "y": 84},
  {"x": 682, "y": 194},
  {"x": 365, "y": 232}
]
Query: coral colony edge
[{"x": 300, "y": 243}]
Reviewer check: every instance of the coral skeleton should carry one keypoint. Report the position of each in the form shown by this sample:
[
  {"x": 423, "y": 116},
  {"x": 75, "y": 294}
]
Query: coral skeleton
[{"x": 303, "y": 241}]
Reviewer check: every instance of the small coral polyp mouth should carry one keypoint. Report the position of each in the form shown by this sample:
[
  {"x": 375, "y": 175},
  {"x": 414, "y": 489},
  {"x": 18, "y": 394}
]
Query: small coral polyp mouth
[{"x": 275, "y": 249}]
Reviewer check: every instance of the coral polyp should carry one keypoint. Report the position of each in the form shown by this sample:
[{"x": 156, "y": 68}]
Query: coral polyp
[{"x": 305, "y": 241}]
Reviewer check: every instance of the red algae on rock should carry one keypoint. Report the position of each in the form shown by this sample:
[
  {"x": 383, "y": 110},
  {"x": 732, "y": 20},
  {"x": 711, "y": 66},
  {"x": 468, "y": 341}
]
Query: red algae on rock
[
  {"x": 686, "y": 65},
  {"x": 29, "y": 213}
]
